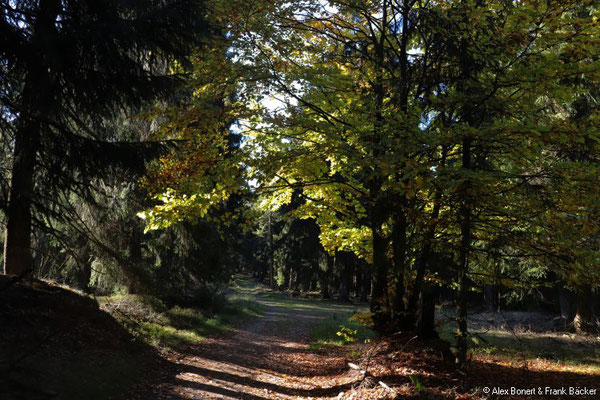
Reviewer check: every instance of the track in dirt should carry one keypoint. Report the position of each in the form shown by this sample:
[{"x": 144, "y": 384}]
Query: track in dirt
[{"x": 266, "y": 359}]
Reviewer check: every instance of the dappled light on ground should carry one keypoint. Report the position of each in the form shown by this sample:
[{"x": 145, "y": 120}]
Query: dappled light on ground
[
  {"x": 265, "y": 360},
  {"x": 274, "y": 357}
]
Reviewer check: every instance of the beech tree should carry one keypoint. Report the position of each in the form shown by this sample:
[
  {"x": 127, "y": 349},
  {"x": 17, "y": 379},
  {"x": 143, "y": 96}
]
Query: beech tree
[{"x": 427, "y": 138}]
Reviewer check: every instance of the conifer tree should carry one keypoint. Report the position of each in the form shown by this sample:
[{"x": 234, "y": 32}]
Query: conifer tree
[{"x": 66, "y": 66}]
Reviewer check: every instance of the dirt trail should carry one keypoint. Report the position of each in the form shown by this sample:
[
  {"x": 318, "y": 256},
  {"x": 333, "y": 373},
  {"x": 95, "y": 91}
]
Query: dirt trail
[{"x": 267, "y": 359}]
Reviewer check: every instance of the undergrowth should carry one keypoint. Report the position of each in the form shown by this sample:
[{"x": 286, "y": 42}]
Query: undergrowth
[
  {"x": 151, "y": 320},
  {"x": 340, "y": 330}
]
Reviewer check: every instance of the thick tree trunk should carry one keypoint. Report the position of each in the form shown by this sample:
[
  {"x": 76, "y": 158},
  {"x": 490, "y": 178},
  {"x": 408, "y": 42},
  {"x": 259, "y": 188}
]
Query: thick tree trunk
[
  {"x": 426, "y": 313},
  {"x": 17, "y": 246},
  {"x": 423, "y": 259},
  {"x": 306, "y": 281},
  {"x": 379, "y": 294},
  {"x": 565, "y": 308},
  {"x": 35, "y": 107},
  {"x": 465, "y": 210},
  {"x": 378, "y": 214}
]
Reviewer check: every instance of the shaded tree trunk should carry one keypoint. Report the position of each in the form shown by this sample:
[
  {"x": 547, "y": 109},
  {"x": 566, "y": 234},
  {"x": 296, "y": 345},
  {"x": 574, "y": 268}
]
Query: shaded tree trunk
[
  {"x": 17, "y": 245},
  {"x": 584, "y": 317},
  {"x": 272, "y": 282},
  {"x": 490, "y": 298},
  {"x": 35, "y": 108},
  {"x": 425, "y": 321},
  {"x": 346, "y": 260},
  {"x": 463, "y": 266},
  {"x": 379, "y": 293},
  {"x": 359, "y": 275},
  {"x": 564, "y": 301},
  {"x": 399, "y": 258},
  {"x": 365, "y": 288},
  {"x": 415, "y": 306},
  {"x": 324, "y": 276}
]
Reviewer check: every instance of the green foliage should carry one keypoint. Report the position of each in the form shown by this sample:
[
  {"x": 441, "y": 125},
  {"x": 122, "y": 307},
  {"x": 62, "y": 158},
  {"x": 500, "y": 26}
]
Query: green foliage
[
  {"x": 357, "y": 117},
  {"x": 329, "y": 332},
  {"x": 348, "y": 335}
]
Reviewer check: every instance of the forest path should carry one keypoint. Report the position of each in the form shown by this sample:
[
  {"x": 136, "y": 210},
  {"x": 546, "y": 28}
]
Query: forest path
[{"x": 269, "y": 358}]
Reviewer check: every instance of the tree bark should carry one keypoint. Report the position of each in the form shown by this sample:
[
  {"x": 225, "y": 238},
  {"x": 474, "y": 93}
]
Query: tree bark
[
  {"x": 272, "y": 282},
  {"x": 584, "y": 317},
  {"x": 17, "y": 246},
  {"x": 379, "y": 293},
  {"x": 365, "y": 289},
  {"x": 324, "y": 276},
  {"x": 345, "y": 275},
  {"x": 35, "y": 107},
  {"x": 399, "y": 257},
  {"x": 463, "y": 266},
  {"x": 490, "y": 298},
  {"x": 425, "y": 323}
]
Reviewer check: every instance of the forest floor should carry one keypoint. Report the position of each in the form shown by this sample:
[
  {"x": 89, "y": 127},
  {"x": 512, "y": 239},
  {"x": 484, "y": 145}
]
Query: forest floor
[
  {"x": 58, "y": 344},
  {"x": 276, "y": 357},
  {"x": 280, "y": 355}
]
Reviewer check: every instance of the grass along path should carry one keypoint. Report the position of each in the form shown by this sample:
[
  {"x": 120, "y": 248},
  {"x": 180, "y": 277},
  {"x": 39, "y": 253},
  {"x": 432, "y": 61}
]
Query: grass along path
[{"x": 268, "y": 358}]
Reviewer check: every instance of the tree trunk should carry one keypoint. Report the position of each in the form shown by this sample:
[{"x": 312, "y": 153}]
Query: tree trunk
[
  {"x": 291, "y": 278},
  {"x": 324, "y": 277},
  {"x": 359, "y": 274},
  {"x": 271, "y": 255},
  {"x": 345, "y": 259},
  {"x": 423, "y": 259},
  {"x": 17, "y": 245},
  {"x": 463, "y": 266},
  {"x": 35, "y": 107},
  {"x": 399, "y": 257},
  {"x": 379, "y": 293},
  {"x": 365, "y": 288},
  {"x": 490, "y": 298},
  {"x": 584, "y": 317},
  {"x": 426, "y": 313},
  {"x": 564, "y": 303}
]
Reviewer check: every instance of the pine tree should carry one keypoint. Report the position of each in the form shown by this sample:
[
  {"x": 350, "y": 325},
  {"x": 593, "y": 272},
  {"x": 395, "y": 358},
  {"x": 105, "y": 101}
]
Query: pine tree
[{"x": 66, "y": 66}]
